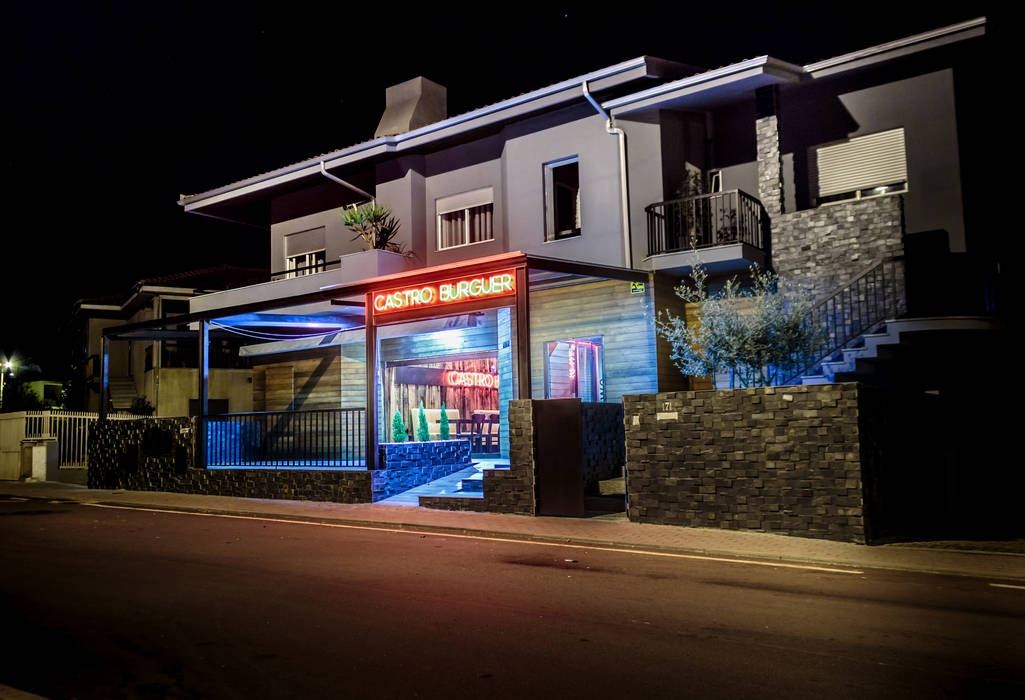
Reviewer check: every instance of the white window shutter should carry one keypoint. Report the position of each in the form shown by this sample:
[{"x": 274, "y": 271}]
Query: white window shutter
[{"x": 862, "y": 162}]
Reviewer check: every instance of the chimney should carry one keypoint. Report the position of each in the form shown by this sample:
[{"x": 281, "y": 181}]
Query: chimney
[{"x": 412, "y": 104}]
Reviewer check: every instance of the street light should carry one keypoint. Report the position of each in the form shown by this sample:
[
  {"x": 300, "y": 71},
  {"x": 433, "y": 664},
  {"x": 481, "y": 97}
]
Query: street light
[{"x": 8, "y": 368}]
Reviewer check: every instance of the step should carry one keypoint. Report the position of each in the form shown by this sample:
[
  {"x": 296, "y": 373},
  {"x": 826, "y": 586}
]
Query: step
[
  {"x": 474, "y": 483},
  {"x": 808, "y": 379}
]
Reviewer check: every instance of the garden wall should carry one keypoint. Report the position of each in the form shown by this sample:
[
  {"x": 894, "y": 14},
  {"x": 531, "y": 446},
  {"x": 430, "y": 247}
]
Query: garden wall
[{"x": 157, "y": 454}]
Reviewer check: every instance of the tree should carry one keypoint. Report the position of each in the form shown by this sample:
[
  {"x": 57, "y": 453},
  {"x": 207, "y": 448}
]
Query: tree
[
  {"x": 398, "y": 430},
  {"x": 445, "y": 432},
  {"x": 423, "y": 434},
  {"x": 758, "y": 331}
]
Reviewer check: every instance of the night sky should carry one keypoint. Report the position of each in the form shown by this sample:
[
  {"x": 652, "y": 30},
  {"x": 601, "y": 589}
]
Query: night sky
[{"x": 115, "y": 108}]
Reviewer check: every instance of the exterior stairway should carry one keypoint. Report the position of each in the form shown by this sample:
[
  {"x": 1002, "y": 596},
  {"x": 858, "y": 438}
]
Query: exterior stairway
[
  {"x": 912, "y": 352},
  {"x": 122, "y": 393}
]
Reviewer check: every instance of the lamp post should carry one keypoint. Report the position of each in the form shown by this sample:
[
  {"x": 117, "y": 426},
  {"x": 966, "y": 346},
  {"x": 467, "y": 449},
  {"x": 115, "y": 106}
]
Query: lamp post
[{"x": 8, "y": 367}]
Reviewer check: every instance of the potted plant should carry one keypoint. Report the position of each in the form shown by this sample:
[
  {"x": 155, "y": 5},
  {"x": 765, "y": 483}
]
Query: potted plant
[{"x": 375, "y": 224}]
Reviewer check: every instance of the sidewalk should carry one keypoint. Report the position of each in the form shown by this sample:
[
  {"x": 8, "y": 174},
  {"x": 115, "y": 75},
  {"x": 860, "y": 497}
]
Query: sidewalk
[{"x": 608, "y": 530}]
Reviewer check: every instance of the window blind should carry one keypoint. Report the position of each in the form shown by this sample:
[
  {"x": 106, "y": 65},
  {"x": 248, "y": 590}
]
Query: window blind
[
  {"x": 862, "y": 162},
  {"x": 304, "y": 242}
]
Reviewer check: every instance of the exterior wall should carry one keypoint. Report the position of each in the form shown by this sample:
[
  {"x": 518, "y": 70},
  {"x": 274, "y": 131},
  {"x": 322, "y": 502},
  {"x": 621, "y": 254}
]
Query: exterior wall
[
  {"x": 786, "y": 462},
  {"x": 337, "y": 238},
  {"x": 606, "y": 309},
  {"x": 401, "y": 187},
  {"x": 824, "y": 248},
  {"x": 531, "y": 143},
  {"x": 156, "y": 454},
  {"x": 464, "y": 168},
  {"x": 664, "y": 298},
  {"x": 646, "y": 177},
  {"x": 923, "y": 103},
  {"x": 304, "y": 381},
  {"x": 177, "y": 386}
]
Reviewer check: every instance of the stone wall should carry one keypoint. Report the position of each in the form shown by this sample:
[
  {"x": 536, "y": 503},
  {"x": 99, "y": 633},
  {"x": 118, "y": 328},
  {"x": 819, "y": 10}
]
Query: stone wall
[
  {"x": 403, "y": 465},
  {"x": 825, "y": 248},
  {"x": 512, "y": 490},
  {"x": 157, "y": 454},
  {"x": 785, "y": 461},
  {"x": 604, "y": 448}
]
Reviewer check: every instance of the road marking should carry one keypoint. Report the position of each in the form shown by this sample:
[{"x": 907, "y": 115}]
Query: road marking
[
  {"x": 344, "y": 526},
  {"x": 1007, "y": 585}
]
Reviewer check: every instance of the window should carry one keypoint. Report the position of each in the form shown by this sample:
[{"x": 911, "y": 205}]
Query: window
[
  {"x": 865, "y": 166},
  {"x": 305, "y": 252},
  {"x": 575, "y": 369},
  {"x": 466, "y": 218},
  {"x": 562, "y": 199}
]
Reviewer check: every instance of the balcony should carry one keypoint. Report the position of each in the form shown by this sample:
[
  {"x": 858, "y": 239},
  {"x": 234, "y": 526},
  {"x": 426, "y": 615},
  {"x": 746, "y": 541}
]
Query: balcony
[{"x": 726, "y": 231}]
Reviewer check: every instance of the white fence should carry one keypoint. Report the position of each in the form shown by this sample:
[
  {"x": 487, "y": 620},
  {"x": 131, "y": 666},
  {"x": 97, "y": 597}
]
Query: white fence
[{"x": 69, "y": 428}]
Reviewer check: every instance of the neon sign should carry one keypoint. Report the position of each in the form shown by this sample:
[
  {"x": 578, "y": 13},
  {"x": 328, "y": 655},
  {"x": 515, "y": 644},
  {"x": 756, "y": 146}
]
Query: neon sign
[
  {"x": 498, "y": 284},
  {"x": 470, "y": 379}
]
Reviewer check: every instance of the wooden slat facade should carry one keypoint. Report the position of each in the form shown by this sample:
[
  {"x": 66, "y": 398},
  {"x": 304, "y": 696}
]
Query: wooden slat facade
[{"x": 606, "y": 309}]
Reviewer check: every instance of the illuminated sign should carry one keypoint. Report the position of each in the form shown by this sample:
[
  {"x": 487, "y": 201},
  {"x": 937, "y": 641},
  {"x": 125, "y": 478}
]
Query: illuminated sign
[
  {"x": 497, "y": 284},
  {"x": 470, "y": 379}
]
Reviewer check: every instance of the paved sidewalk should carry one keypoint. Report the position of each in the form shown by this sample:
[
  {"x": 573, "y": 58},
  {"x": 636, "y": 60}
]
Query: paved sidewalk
[{"x": 607, "y": 530}]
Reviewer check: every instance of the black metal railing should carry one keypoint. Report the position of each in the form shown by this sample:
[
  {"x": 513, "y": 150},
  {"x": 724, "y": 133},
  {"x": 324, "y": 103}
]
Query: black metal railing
[
  {"x": 304, "y": 270},
  {"x": 851, "y": 311},
  {"x": 705, "y": 221},
  {"x": 323, "y": 438}
]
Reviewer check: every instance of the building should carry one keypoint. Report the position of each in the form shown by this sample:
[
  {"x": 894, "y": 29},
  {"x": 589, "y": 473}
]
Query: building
[
  {"x": 160, "y": 373},
  {"x": 541, "y": 235}
]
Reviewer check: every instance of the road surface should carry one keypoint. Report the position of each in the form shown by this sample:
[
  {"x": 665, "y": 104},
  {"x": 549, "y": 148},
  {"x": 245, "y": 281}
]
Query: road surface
[{"x": 100, "y": 602}]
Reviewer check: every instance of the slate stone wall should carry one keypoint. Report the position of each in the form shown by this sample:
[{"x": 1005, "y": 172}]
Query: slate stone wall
[
  {"x": 157, "y": 454},
  {"x": 512, "y": 490},
  {"x": 604, "y": 443},
  {"x": 780, "y": 460},
  {"x": 403, "y": 465},
  {"x": 824, "y": 248}
]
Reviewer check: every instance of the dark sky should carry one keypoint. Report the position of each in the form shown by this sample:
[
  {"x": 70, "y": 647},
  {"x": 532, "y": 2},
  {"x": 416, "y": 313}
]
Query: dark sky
[{"x": 114, "y": 108}]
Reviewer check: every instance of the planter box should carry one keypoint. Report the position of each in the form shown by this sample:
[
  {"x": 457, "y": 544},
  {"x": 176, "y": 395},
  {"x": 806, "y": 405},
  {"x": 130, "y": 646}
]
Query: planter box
[{"x": 370, "y": 263}]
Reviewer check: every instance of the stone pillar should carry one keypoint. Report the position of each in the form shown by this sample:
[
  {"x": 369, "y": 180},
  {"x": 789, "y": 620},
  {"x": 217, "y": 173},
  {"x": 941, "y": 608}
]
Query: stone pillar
[{"x": 770, "y": 156}]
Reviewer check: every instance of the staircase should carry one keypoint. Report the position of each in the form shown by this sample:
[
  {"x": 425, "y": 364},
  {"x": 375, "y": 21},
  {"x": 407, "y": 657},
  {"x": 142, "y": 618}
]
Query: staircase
[
  {"x": 122, "y": 392},
  {"x": 912, "y": 352}
]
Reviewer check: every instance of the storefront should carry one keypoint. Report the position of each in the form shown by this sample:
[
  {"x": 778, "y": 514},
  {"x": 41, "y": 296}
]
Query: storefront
[{"x": 467, "y": 337}]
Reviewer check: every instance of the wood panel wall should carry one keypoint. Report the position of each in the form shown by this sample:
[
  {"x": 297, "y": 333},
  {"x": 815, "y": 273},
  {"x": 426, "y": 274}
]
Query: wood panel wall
[
  {"x": 606, "y": 309},
  {"x": 306, "y": 381}
]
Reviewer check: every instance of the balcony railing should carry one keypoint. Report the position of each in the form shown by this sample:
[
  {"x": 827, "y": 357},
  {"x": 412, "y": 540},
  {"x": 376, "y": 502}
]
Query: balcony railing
[
  {"x": 304, "y": 270},
  {"x": 324, "y": 438},
  {"x": 705, "y": 221}
]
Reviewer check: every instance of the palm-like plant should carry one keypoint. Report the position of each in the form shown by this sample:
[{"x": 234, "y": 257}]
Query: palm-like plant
[{"x": 374, "y": 224}]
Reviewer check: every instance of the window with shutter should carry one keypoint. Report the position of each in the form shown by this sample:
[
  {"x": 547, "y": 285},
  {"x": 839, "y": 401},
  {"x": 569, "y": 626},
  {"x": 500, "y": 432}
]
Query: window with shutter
[
  {"x": 305, "y": 252},
  {"x": 865, "y": 166},
  {"x": 465, "y": 219}
]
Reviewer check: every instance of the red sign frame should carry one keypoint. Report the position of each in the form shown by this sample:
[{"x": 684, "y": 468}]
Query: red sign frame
[{"x": 432, "y": 295}]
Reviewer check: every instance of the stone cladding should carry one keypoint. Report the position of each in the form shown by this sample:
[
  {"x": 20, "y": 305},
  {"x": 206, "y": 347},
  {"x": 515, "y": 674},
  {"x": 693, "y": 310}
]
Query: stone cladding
[{"x": 781, "y": 460}]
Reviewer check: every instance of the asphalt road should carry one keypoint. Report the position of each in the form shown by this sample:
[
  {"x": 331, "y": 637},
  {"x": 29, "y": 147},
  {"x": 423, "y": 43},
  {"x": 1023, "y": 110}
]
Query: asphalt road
[{"x": 107, "y": 603}]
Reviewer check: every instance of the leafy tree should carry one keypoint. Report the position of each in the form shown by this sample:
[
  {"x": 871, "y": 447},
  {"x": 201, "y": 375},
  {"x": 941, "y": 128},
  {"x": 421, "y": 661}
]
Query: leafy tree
[
  {"x": 374, "y": 224},
  {"x": 444, "y": 430},
  {"x": 758, "y": 331},
  {"x": 398, "y": 430},
  {"x": 423, "y": 434}
]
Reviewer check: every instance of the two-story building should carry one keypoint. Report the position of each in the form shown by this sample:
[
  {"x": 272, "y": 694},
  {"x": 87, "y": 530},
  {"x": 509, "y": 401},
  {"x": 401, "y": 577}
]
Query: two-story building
[{"x": 541, "y": 235}]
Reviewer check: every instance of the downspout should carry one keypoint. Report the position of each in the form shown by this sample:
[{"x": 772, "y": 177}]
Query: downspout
[
  {"x": 343, "y": 183},
  {"x": 624, "y": 193}
]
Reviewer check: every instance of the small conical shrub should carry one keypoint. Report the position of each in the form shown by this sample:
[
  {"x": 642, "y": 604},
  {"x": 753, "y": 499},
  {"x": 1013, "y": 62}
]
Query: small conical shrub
[
  {"x": 423, "y": 434},
  {"x": 444, "y": 430},
  {"x": 398, "y": 430}
]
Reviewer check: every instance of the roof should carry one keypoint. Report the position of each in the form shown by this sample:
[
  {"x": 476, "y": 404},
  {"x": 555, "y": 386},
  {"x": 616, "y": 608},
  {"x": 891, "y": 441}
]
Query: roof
[
  {"x": 718, "y": 84},
  {"x": 188, "y": 282}
]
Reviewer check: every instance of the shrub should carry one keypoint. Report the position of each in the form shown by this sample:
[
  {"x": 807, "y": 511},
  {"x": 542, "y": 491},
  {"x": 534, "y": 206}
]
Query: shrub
[
  {"x": 374, "y": 224},
  {"x": 444, "y": 432},
  {"x": 398, "y": 430},
  {"x": 423, "y": 434},
  {"x": 760, "y": 345}
]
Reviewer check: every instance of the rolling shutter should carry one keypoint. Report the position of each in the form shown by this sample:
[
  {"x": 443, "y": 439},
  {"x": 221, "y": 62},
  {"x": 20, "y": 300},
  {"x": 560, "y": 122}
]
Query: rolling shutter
[
  {"x": 862, "y": 162},
  {"x": 304, "y": 242}
]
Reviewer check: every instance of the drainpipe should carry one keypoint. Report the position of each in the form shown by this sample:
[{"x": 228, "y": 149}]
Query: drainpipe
[
  {"x": 343, "y": 183},
  {"x": 624, "y": 193}
]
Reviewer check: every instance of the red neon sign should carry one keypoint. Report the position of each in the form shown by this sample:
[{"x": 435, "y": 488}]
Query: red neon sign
[
  {"x": 496, "y": 284},
  {"x": 470, "y": 379}
]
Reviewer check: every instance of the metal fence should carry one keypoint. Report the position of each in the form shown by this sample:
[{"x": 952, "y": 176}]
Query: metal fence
[
  {"x": 323, "y": 438},
  {"x": 707, "y": 220},
  {"x": 71, "y": 431}
]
